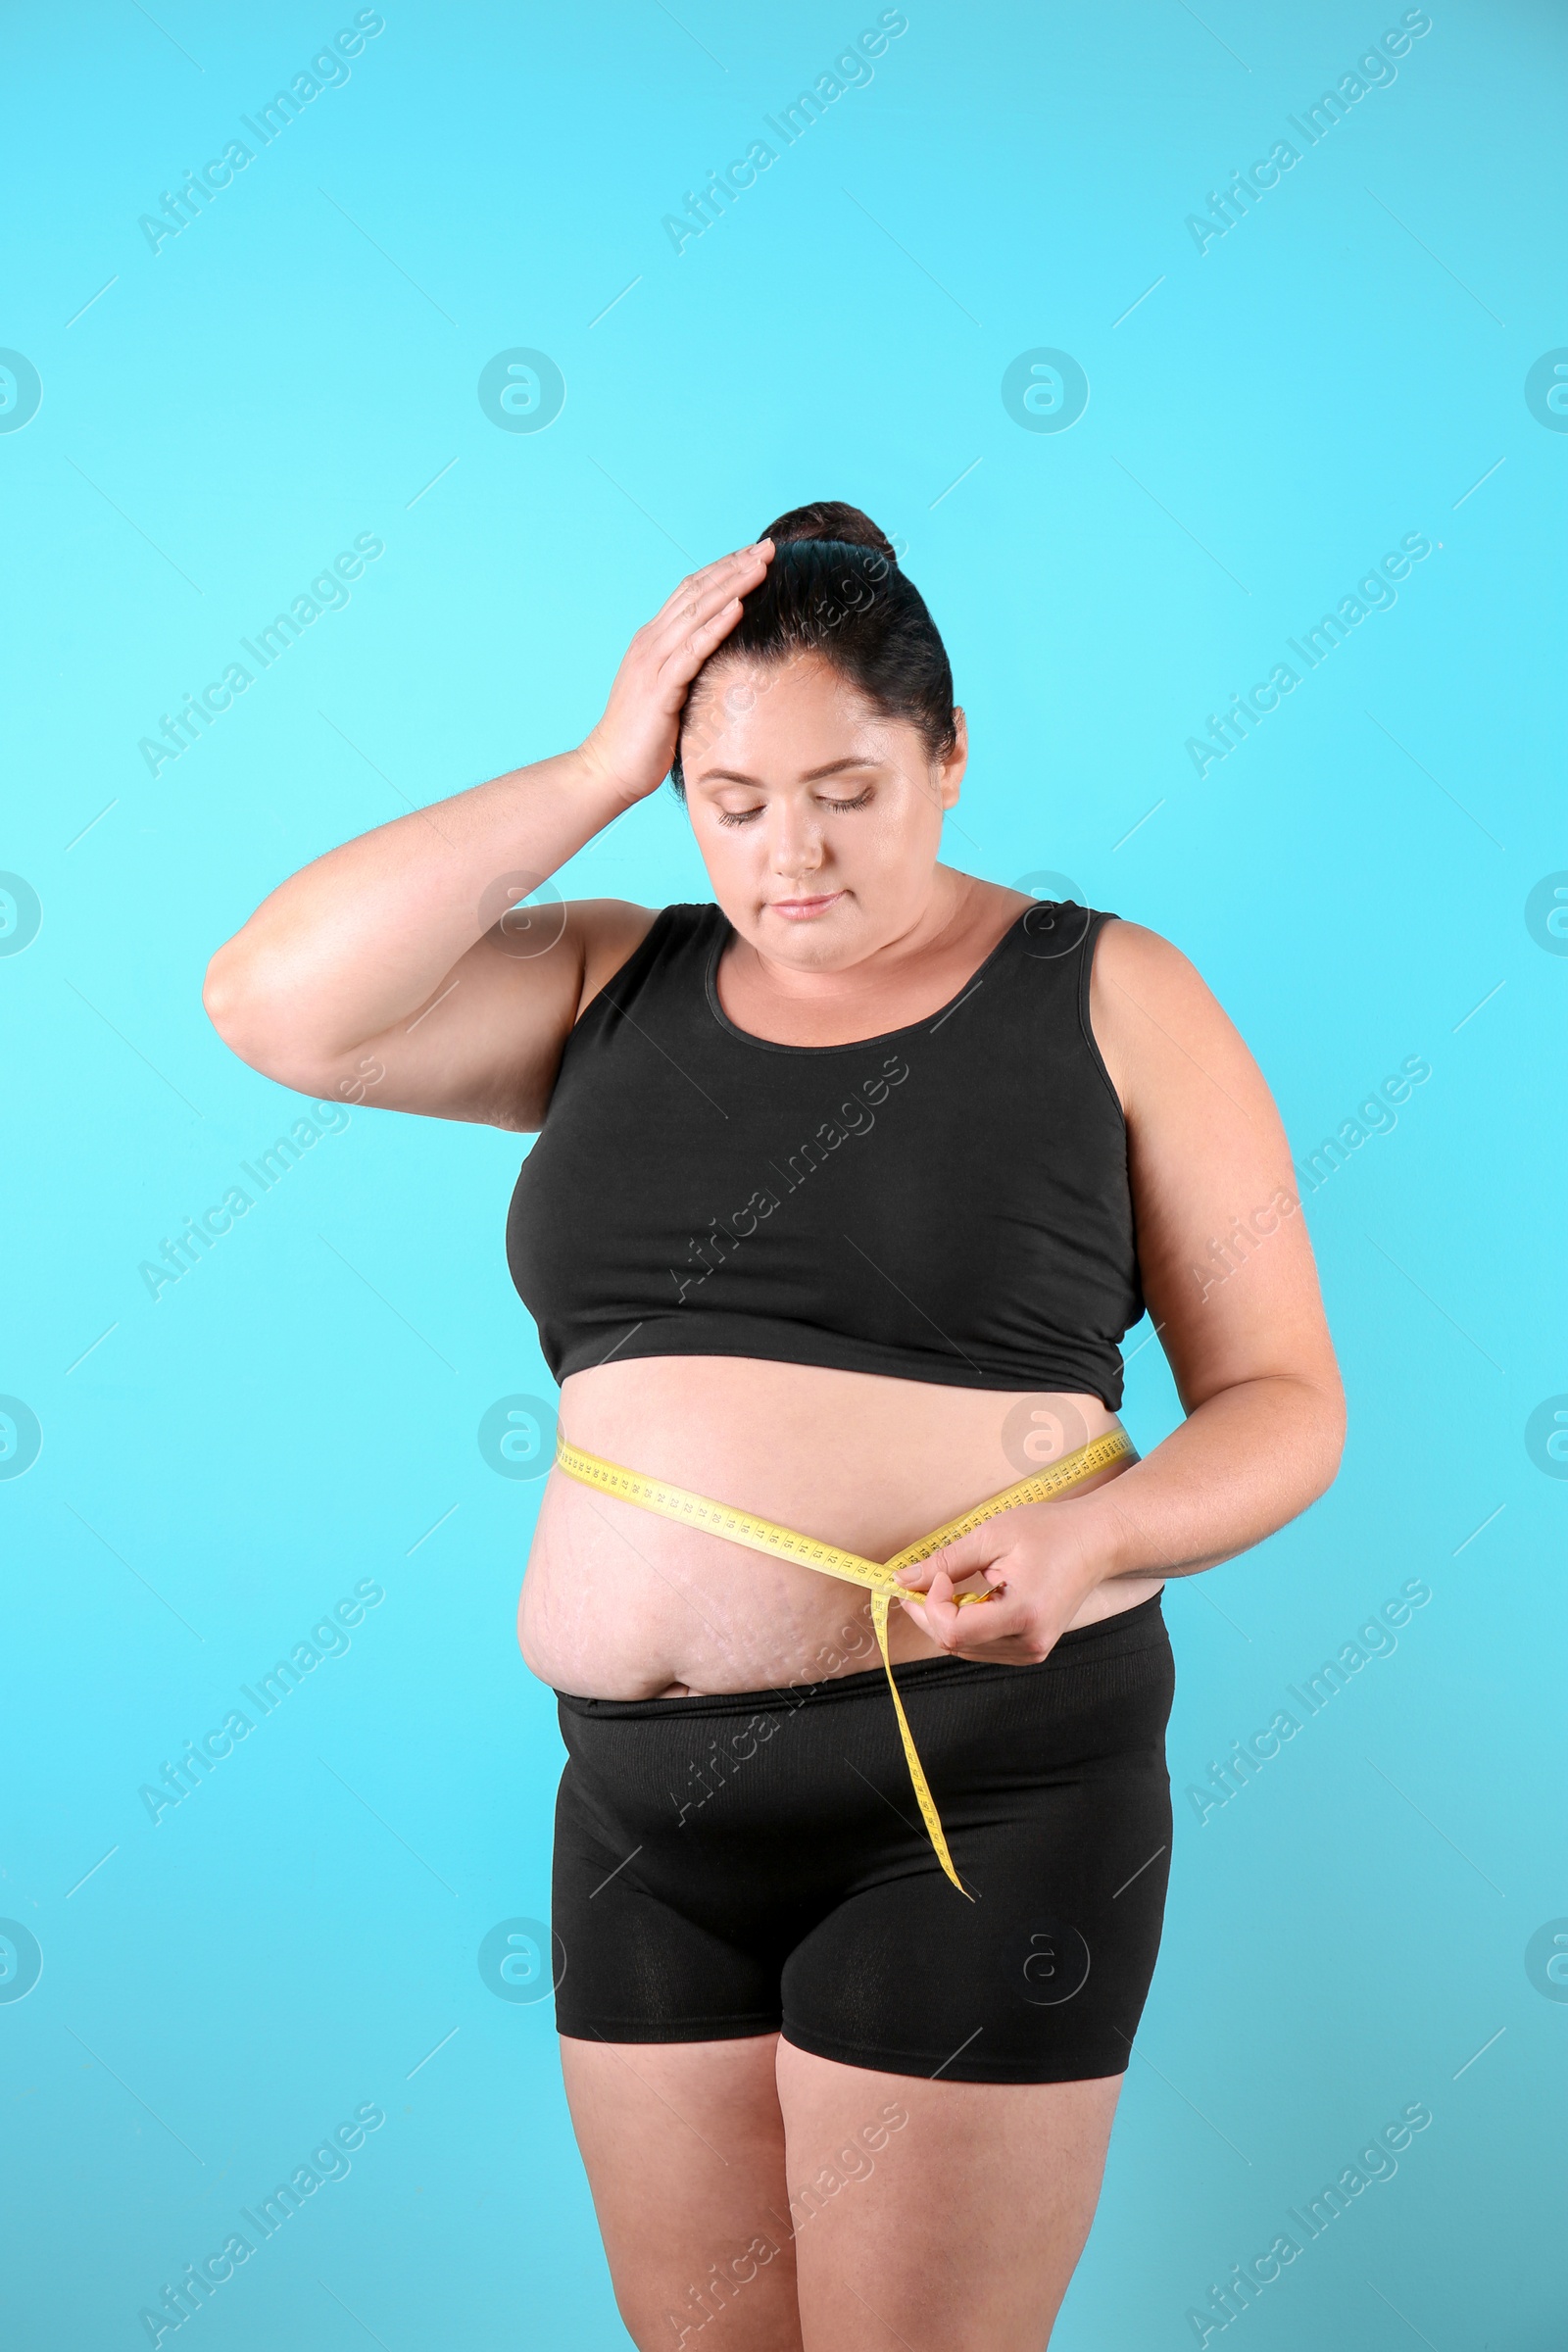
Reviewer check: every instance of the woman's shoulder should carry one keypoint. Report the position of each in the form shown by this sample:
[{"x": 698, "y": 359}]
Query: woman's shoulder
[
  {"x": 1158, "y": 1025},
  {"x": 1131, "y": 954},
  {"x": 610, "y": 932}
]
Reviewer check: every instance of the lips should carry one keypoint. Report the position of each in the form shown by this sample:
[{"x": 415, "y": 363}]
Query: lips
[{"x": 800, "y": 909}]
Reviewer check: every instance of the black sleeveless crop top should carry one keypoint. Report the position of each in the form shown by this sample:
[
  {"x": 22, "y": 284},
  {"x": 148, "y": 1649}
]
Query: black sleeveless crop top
[{"x": 948, "y": 1202}]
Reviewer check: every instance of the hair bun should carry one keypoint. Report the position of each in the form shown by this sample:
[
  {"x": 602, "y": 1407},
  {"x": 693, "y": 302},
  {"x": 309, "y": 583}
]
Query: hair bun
[{"x": 830, "y": 518}]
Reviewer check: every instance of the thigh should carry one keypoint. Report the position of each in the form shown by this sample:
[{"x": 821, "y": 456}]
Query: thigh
[
  {"x": 683, "y": 2143},
  {"x": 945, "y": 2215}
]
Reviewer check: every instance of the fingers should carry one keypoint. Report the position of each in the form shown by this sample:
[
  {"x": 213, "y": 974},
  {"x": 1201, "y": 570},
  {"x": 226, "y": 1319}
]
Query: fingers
[
  {"x": 697, "y": 595},
  {"x": 970, "y": 1556},
  {"x": 686, "y": 655},
  {"x": 676, "y": 635},
  {"x": 938, "y": 1605},
  {"x": 698, "y": 617},
  {"x": 1000, "y": 1629},
  {"x": 968, "y": 1628}
]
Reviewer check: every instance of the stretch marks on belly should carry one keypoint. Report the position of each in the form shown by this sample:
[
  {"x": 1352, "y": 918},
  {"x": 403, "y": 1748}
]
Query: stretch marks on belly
[{"x": 878, "y": 1578}]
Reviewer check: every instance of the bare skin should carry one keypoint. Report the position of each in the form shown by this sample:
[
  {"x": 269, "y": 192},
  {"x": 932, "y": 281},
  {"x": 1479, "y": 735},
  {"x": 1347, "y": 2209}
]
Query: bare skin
[
  {"x": 383, "y": 973},
  {"x": 768, "y": 2197}
]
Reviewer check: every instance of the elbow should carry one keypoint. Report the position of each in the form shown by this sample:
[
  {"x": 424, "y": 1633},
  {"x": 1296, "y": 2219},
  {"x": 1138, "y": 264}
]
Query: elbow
[
  {"x": 222, "y": 994},
  {"x": 252, "y": 1022},
  {"x": 236, "y": 1007},
  {"x": 1326, "y": 1432}
]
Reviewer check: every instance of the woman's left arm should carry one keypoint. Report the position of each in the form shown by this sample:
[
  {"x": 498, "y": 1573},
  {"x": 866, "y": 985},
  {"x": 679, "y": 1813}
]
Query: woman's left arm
[{"x": 1231, "y": 1284}]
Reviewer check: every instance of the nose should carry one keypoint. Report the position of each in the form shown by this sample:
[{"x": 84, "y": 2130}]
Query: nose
[{"x": 798, "y": 849}]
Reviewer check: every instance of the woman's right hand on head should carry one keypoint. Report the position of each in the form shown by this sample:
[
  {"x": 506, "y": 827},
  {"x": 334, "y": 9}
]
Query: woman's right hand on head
[{"x": 633, "y": 746}]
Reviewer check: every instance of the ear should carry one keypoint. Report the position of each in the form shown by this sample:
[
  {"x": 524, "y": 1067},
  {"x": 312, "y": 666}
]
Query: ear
[{"x": 949, "y": 772}]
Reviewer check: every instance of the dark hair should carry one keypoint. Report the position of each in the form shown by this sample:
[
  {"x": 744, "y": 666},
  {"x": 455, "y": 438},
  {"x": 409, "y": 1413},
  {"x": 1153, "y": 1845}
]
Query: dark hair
[{"x": 834, "y": 588}]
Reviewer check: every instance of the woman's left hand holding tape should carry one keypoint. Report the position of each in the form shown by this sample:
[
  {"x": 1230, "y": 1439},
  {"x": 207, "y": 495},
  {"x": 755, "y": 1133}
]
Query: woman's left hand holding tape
[{"x": 1039, "y": 1565}]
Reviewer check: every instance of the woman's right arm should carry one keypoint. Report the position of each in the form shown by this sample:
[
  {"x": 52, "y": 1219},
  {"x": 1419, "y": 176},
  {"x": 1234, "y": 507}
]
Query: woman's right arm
[{"x": 382, "y": 972}]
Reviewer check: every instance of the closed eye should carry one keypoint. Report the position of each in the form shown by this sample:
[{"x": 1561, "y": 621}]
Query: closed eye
[{"x": 743, "y": 816}]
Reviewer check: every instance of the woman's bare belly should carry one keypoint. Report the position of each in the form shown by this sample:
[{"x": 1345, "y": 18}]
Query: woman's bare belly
[{"x": 618, "y": 1603}]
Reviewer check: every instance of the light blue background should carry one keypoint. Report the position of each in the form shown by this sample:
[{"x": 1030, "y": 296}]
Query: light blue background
[{"x": 296, "y": 1414}]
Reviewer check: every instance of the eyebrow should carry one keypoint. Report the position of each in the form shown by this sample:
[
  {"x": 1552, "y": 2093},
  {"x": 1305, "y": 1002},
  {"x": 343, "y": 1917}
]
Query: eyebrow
[{"x": 733, "y": 776}]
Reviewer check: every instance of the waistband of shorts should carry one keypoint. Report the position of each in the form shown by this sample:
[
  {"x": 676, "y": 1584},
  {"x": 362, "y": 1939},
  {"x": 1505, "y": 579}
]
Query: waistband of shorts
[{"x": 1140, "y": 1628}]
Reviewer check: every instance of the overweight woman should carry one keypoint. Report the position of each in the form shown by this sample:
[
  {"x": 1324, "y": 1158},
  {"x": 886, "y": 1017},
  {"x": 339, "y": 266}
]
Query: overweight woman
[{"x": 846, "y": 1187}]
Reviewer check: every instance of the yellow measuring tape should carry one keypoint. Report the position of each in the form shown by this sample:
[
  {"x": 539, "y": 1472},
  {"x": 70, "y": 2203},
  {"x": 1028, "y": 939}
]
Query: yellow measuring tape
[{"x": 877, "y": 1577}]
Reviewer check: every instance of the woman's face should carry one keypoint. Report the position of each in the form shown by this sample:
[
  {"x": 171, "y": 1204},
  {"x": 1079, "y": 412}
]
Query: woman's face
[{"x": 818, "y": 820}]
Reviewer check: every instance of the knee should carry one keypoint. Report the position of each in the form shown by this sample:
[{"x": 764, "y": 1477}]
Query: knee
[{"x": 669, "y": 2314}]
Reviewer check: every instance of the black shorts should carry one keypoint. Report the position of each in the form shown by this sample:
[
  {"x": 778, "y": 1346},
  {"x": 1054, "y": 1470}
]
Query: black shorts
[{"x": 755, "y": 1862}]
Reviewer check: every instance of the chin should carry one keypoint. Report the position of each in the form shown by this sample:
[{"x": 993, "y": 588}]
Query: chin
[{"x": 829, "y": 930}]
